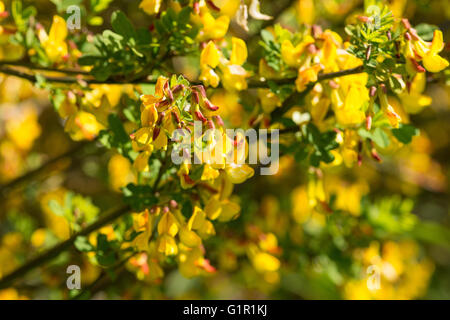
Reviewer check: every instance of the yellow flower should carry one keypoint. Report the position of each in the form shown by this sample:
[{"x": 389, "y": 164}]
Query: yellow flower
[
  {"x": 150, "y": 6},
  {"x": 210, "y": 55},
  {"x": 97, "y": 92},
  {"x": 168, "y": 224},
  {"x": 212, "y": 28},
  {"x": 332, "y": 41},
  {"x": 54, "y": 44},
  {"x": 349, "y": 111},
  {"x": 83, "y": 125},
  {"x": 262, "y": 261},
  {"x": 291, "y": 55},
  {"x": 11, "y": 294},
  {"x": 429, "y": 52},
  {"x": 161, "y": 140},
  {"x": 268, "y": 242},
  {"x": 350, "y": 98},
  {"x": 189, "y": 238},
  {"x": 221, "y": 209},
  {"x": 269, "y": 100},
  {"x": 239, "y": 51},
  {"x": 209, "y": 173},
  {"x": 120, "y": 174},
  {"x": 234, "y": 77},
  {"x": 142, "y": 139},
  {"x": 38, "y": 237},
  {"x": 301, "y": 209},
  {"x": 348, "y": 196},
  {"x": 141, "y": 161},
  {"x": 57, "y": 224},
  {"x": 389, "y": 110},
  {"x": 192, "y": 263},
  {"x": 318, "y": 104},
  {"x": 265, "y": 262},
  {"x": 233, "y": 74},
  {"x": 209, "y": 77},
  {"x": 306, "y": 11},
  {"x": 228, "y": 7},
  {"x": 413, "y": 100},
  {"x": 209, "y": 59},
  {"x": 26, "y": 121},
  {"x": 142, "y": 222},
  {"x": 67, "y": 108},
  {"x": 239, "y": 173},
  {"x": 150, "y": 99},
  {"x": 307, "y": 75},
  {"x": 3, "y": 13},
  {"x": 149, "y": 116},
  {"x": 185, "y": 180},
  {"x": 199, "y": 223},
  {"x": 401, "y": 271},
  {"x": 167, "y": 245}
]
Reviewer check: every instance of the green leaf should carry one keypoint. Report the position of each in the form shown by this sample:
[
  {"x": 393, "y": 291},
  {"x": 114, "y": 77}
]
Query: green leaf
[
  {"x": 405, "y": 133},
  {"x": 116, "y": 136},
  {"x": 82, "y": 244},
  {"x": 122, "y": 25},
  {"x": 139, "y": 197},
  {"x": 197, "y": 173},
  {"x": 426, "y": 31},
  {"x": 380, "y": 138},
  {"x": 102, "y": 242},
  {"x": 57, "y": 98},
  {"x": 56, "y": 208},
  {"x": 184, "y": 16},
  {"x": 267, "y": 36},
  {"x": 106, "y": 259}
]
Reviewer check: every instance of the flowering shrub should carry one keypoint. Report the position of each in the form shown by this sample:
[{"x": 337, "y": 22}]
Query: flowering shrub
[{"x": 131, "y": 175}]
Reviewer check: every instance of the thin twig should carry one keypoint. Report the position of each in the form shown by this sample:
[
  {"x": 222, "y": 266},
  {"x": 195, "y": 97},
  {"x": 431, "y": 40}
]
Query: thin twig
[
  {"x": 34, "y": 67},
  {"x": 52, "y": 253},
  {"x": 255, "y": 83}
]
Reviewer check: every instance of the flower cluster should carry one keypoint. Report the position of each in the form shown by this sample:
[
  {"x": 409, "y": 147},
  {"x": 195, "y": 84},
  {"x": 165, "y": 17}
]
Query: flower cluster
[{"x": 176, "y": 105}]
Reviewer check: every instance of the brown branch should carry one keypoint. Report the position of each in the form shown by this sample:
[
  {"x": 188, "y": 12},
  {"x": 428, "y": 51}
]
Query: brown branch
[
  {"x": 49, "y": 69},
  {"x": 253, "y": 83}
]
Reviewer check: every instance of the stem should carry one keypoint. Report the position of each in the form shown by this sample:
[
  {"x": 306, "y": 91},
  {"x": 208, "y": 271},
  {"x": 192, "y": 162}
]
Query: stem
[
  {"x": 52, "y": 253},
  {"x": 67, "y": 80},
  {"x": 251, "y": 84},
  {"x": 50, "y": 69}
]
